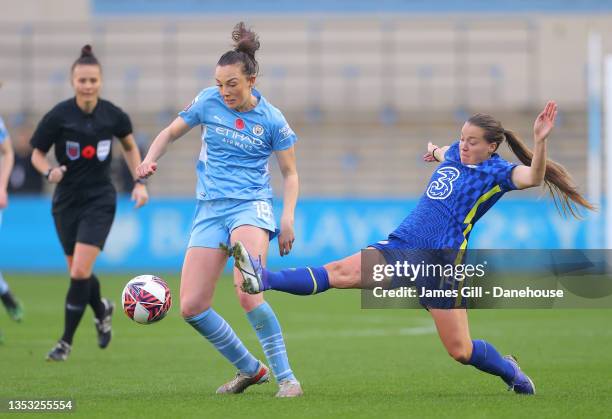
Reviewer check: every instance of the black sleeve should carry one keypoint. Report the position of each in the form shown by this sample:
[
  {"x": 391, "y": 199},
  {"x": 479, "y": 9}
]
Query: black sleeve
[
  {"x": 47, "y": 132},
  {"x": 123, "y": 125}
]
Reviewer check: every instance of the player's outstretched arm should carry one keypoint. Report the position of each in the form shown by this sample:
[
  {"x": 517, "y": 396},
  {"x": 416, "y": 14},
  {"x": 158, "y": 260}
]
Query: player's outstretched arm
[
  {"x": 158, "y": 148},
  {"x": 533, "y": 175},
  {"x": 434, "y": 153}
]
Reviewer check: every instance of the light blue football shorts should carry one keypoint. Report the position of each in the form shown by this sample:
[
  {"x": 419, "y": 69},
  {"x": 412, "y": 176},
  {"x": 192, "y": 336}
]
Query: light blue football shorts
[{"x": 214, "y": 220}]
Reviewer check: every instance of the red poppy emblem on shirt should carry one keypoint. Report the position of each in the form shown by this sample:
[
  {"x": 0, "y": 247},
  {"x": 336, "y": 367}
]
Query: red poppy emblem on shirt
[
  {"x": 88, "y": 152},
  {"x": 239, "y": 124}
]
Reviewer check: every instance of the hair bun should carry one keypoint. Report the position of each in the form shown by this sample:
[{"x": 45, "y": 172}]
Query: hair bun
[
  {"x": 245, "y": 40},
  {"x": 87, "y": 51}
]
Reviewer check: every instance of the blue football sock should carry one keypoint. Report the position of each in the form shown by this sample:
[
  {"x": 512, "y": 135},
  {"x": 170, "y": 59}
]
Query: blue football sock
[
  {"x": 486, "y": 358},
  {"x": 4, "y": 288},
  {"x": 218, "y": 332},
  {"x": 270, "y": 336},
  {"x": 299, "y": 281}
]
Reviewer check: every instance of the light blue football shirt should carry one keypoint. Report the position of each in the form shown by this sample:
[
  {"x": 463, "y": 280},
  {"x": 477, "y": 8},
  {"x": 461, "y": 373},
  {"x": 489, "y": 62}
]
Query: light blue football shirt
[
  {"x": 3, "y": 131},
  {"x": 233, "y": 161},
  {"x": 3, "y": 135}
]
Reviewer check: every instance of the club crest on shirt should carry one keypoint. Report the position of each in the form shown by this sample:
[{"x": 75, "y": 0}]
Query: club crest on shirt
[
  {"x": 103, "y": 150},
  {"x": 73, "y": 150},
  {"x": 258, "y": 130}
]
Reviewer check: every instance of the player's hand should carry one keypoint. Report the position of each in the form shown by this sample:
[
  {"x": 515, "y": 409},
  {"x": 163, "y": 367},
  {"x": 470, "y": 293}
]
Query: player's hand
[
  {"x": 140, "y": 195},
  {"x": 146, "y": 169},
  {"x": 286, "y": 236},
  {"x": 3, "y": 198},
  {"x": 56, "y": 174},
  {"x": 429, "y": 157},
  {"x": 545, "y": 122}
]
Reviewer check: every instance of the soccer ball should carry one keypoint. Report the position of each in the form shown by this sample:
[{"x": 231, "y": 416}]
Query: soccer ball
[{"x": 146, "y": 299}]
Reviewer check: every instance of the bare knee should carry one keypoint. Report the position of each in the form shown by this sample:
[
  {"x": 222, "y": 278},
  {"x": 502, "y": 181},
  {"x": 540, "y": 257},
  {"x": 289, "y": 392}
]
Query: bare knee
[
  {"x": 79, "y": 272},
  {"x": 191, "y": 307},
  {"x": 249, "y": 302},
  {"x": 460, "y": 353}
]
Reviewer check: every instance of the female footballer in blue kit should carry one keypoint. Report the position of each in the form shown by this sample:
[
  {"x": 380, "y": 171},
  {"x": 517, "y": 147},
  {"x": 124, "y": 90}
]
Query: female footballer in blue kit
[
  {"x": 240, "y": 130},
  {"x": 469, "y": 180}
]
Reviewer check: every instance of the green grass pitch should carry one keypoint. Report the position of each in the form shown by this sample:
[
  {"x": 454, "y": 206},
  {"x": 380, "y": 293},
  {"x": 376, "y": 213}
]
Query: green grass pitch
[{"x": 351, "y": 362}]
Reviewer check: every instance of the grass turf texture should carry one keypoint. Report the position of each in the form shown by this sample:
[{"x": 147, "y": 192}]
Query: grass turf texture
[{"x": 351, "y": 362}]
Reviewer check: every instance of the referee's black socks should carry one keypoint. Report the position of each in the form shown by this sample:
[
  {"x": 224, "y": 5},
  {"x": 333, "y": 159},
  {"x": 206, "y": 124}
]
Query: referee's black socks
[
  {"x": 76, "y": 303},
  {"x": 8, "y": 300},
  {"x": 95, "y": 300}
]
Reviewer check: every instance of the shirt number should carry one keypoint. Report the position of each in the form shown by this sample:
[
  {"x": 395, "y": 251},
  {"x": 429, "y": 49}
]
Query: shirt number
[{"x": 264, "y": 210}]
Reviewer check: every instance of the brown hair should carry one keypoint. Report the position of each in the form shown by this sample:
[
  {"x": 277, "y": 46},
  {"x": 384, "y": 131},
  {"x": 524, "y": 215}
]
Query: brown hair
[
  {"x": 87, "y": 58},
  {"x": 246, "y": 43},
  {"x": 557, "y": 179}
]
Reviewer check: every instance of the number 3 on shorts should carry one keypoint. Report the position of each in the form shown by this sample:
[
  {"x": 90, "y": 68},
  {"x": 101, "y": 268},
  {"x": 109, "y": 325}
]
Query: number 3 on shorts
[{"x": 264, "y": 210}]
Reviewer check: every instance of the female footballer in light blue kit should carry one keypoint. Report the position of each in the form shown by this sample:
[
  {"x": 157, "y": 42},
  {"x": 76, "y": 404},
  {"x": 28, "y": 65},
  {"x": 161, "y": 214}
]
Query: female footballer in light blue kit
[
  {"x": 470, "y": 179},
  {"x": 240, "y": 130},
  {"x": 13, "y": 307}
]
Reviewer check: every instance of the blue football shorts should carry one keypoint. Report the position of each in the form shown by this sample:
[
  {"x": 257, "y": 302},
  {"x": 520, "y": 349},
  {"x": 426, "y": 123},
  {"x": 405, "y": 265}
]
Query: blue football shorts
[
  {"x": 395, "y": 250},
  {"x": 214, "y": 220}
]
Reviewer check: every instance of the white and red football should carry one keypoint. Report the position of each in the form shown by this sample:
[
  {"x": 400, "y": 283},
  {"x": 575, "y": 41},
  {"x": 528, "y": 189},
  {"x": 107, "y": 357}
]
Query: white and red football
[{"x": 146, "y": 299}]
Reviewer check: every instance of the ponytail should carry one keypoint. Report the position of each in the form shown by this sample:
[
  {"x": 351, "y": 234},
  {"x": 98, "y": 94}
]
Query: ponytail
[{"x": 557, "y": 179}]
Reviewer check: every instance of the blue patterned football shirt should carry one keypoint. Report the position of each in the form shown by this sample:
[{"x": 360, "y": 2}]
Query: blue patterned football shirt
[{"x": 456, "y": 197}]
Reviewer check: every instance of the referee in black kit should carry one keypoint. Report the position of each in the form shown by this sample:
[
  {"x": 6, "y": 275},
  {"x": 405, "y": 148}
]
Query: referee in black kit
[{"x": 82, "y": 129}]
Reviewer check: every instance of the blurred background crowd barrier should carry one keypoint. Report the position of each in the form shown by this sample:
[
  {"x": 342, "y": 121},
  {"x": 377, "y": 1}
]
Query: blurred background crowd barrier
[{"x": 154, "y": 238}]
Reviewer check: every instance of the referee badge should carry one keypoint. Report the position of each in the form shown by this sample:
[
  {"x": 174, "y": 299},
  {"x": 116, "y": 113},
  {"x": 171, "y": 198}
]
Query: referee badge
[
  {"x": 103, "y": 150},
  {"x": 73, "y": 150}
]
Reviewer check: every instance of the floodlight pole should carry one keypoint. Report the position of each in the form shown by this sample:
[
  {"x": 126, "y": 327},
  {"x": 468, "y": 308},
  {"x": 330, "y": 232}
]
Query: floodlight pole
[
  {"x": 594, "y": 155},
  {"x": 608, "y": 147}
]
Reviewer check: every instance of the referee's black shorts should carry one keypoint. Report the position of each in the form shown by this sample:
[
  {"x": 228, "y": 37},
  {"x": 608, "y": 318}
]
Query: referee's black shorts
[{"x": 84, "y": 216}]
